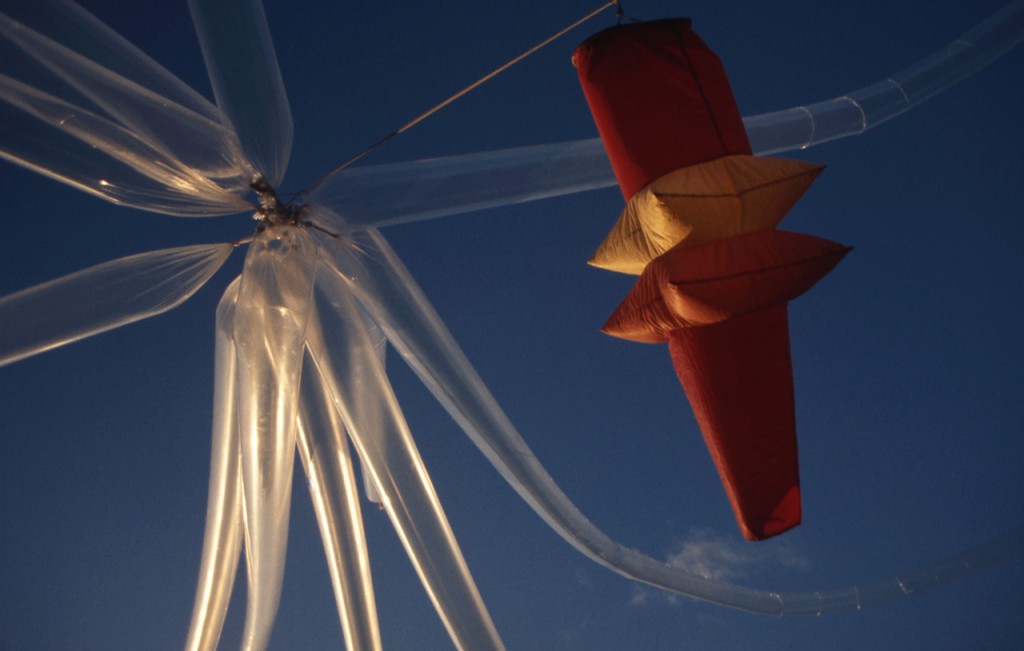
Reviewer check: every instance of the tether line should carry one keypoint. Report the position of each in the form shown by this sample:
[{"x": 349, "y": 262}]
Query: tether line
[{"x": 457, "y": 95}]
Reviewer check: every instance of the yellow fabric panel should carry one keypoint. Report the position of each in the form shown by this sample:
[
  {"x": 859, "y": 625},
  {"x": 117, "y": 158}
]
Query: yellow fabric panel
[{"x": 724, "y": 197}]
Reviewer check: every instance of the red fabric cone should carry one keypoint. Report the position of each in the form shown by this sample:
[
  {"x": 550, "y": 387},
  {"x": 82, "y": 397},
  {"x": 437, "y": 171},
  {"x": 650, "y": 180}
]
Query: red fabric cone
[
  {"x": 660, "y": 98},
  {"x": 738, "y": 377}
]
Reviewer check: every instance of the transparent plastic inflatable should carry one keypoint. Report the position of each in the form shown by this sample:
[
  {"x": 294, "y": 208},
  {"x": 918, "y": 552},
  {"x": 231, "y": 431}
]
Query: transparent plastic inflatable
[{"x": 299, "y": 337}]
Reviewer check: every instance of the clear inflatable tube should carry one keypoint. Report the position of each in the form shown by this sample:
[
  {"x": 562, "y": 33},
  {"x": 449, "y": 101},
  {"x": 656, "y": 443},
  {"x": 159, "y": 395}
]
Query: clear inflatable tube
[
  {"x": 324, "y": 451},
  {"x": 378, "y": 195},
  {"x": 269, "y": 328},
  {"x": 240, "y": 60},
  {"x": 118, "y": 137},
  {"x": 103, "y": 297},
  {"x": 222, "y": 540},
  {"x": 389, "y": 293},
  {"x": 193, "y": 138},
  {"x": 352, "y": 373},
  {"x": 73, "y": 145},
  {"x": 74, "y": 28},
  {"x": 856, "y": 112}
]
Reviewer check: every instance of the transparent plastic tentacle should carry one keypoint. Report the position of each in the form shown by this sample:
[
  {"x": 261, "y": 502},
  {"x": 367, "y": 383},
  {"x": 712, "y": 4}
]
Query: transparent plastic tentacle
[
  {"x": 78, "y": 147},
  {"x": 67, "y": 23},
  {"x": 222, "y": 542},
  {"x": 378, "y": 195},
  {"x": 435, "y": 187},
  {"x": 352, "y": 371},
  {"x": 389, "y": 293},
  {"x": 246, "y": 80},
  {"x": 380, "y": 345},
  {"x": 271, "y": 315},
  {"x": 856, "y": 112},
  {"x": 199, "y": 142},
  {"x": 103, "y": 297},
  {"x": 324, "y": 450},
  {"x": 81, "y": 105}
]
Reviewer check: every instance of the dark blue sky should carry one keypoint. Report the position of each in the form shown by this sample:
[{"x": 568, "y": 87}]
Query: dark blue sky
[{"x": 908, "y": 358}]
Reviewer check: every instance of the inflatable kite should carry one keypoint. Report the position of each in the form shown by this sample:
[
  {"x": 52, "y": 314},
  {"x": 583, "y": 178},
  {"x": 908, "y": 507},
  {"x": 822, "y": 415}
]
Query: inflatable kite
[{"x": 715, "y": 275}]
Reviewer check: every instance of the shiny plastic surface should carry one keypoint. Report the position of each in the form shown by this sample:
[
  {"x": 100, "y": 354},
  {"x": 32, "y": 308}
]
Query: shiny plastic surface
[
  {"x": 271, "y": 315},
  {"x": 93, "y": 111},
  {"x": 103, "y": 297},
  {"x": 324, "y": 450},
  {"x": 222, "y": 541},
  {"x": 352, "y": 371},
  {"x": 246, "y": 80}
]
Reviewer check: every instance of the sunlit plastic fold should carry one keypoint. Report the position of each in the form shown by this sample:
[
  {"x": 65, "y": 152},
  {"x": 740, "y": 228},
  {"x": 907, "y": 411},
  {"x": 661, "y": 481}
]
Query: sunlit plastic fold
[
  {"x": 324, "y": 450},
  {"x": 436, "y": 187},
  {"x": 271, "y": 315},
  {"x": 222, "y": 542},
  {"x": 103, "y": 297},
  {"x": 247, "y": 84},
  {"x": 351, "y": 369},
  {"x": 74, "y": 28},
  {"x": 122, "y": 128}
]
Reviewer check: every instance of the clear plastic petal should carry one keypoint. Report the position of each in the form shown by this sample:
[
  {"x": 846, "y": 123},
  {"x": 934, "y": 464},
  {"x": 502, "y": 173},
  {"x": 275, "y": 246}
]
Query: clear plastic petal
[
  {"x": 383, "y": 285},
  {"x": 246, "y": 80},
  {"x": 70, "y": 144},
  {"x": 199, "y": 141},
  {"x": 103, "y": 297},
  {"x": 856, "y": 112},
  {"x": 378, "y": 195},
  {"x": 435, "y": 187},
  {"x": 380, "y": 344},
  {"x": 85, "y": 107},
  {"x": 65, "y": 22},
  {"x": 324, "y": 450},
  {"x": 222, "y": 542},
  {"x": 351, "y": 370},
  {"x": 271, "y": 315}
]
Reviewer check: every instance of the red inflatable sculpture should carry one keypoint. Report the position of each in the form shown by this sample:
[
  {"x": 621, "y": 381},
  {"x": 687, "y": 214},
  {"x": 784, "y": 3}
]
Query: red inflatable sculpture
[{"x": 715, "y": 275}]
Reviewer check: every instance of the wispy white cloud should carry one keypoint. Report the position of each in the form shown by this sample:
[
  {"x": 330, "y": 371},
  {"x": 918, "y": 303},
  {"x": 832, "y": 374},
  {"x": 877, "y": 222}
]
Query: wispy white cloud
[{"x": 724, "y": 558}]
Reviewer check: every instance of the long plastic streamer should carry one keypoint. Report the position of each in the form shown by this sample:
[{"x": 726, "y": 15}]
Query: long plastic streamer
[
  {"x": 222, "y": 541},
  {"x": 352, "y": 372},
  {"x": 436, "y": 187},
  {"x": 856, "y": 112},
  {"x": 271, "y": 315},
  {"x": 379, "y": 195},
  {"x": 70, "y": 144},
  {"x": 198, "y": 140},
  {"x": 324, "y": 450},
  {"x": 389, "y": 293},
  {"x": 103, "y": 297},
  {"x": 67, "y": 23},
  {"x": 117, "y": 125},
  {"x": 246, "y": 80}
]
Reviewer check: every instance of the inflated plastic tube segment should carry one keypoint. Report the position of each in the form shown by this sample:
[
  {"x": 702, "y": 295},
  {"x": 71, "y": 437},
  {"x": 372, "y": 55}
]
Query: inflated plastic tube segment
[{"x": 715, "y": 276}]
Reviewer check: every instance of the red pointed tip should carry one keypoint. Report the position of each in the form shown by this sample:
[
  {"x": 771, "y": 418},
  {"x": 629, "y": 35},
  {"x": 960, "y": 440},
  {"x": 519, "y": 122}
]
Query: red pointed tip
[{"x": 787, "y": 515}]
